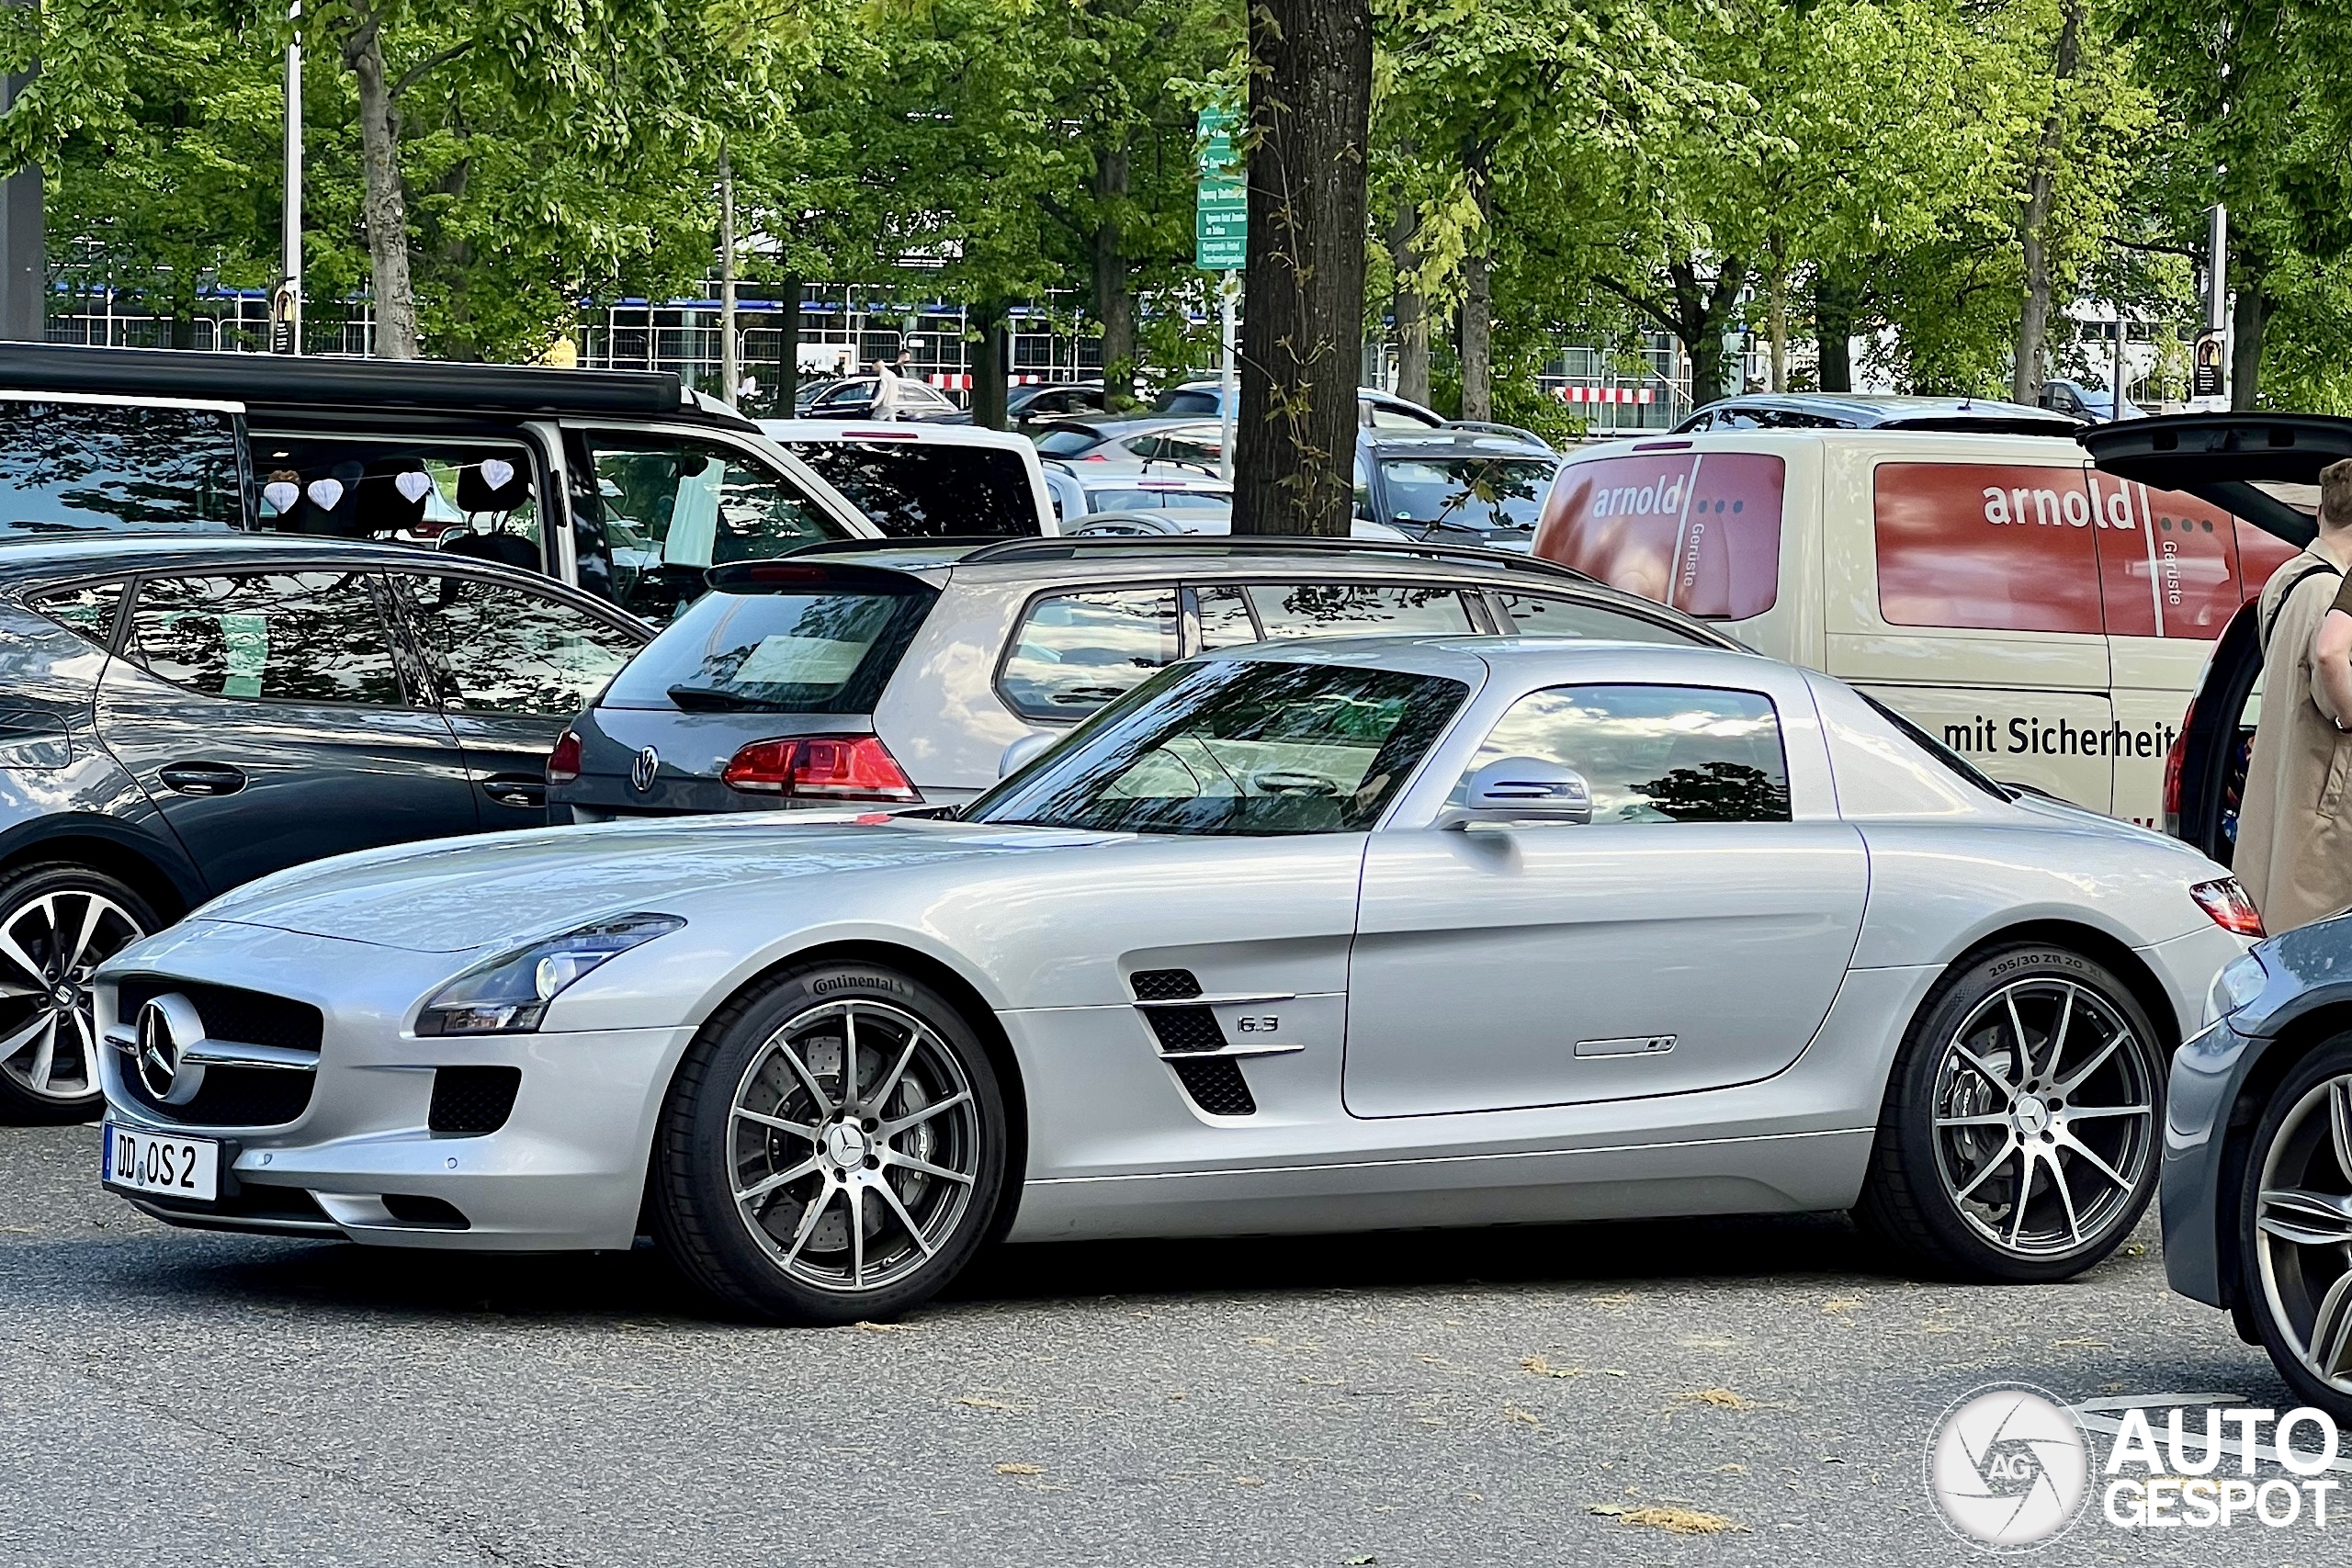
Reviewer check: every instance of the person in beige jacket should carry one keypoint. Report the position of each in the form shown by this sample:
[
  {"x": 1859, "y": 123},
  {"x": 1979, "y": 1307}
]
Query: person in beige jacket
[{"x": 2294, "y": 848}]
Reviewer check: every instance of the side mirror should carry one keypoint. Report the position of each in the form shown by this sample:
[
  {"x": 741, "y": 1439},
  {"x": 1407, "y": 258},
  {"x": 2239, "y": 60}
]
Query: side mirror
[
  {"x": 1521, "y": 790},
  {"x": 1023, "y": 751}
]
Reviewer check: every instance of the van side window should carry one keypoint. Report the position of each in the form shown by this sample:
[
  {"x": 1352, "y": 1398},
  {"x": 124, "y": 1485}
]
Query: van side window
[
  {"x": 1700, "y": 531},
  {"x": 76, "y": 468},
  {"x": 477, "y": 499},
  {"x": 1654, "y": 753},
  {"x": 2001, "y": 546},
  {"x": 928, "y": 489}
]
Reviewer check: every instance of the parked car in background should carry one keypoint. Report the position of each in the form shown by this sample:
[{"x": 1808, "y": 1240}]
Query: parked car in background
[
  {"x": 919, "y": 482},
  {"x": 1077, "y": 492},
  {"x": 853, "y": 398},
  {"x": 1301, "y": 937},
  {"x": 1156, "y": 442},
  {"x": 2043, "y": 619},
  {"x": 2262, "y": 469},
  {"x": 898, "y": 676},
  {"x": 1375, "y": 408},
  {"x": 188, "y": 712},
  {"x": 1875, "y": 410},
  {"x": 617, "y": 483},
  {"x": 2089, "y": 404},
  {"x": 1046, "y": 403},
  {"x": 1467, "y": 486}
]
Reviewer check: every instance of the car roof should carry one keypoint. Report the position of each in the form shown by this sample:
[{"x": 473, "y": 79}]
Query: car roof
[
  {"x": 1447, "y": 443},
  {"x": 922, "y": 433},
  {"x": 1866, "y": 411},
  {"x": 1537, "y": 657},
  {"x": 51, "y": 557}
]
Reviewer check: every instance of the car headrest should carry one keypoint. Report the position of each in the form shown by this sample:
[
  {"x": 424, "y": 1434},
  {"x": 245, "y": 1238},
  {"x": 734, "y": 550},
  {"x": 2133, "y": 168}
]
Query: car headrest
[
  {"x": 494, "y": 484},
  {"x": 393, "y": 496},
  {"x": 330, "y": 502}
]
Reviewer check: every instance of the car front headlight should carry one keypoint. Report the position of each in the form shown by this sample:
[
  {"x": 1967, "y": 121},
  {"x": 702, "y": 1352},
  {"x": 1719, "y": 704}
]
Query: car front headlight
[
  {"x": 510, "y": 994},
  {"x": 2236, "y": 987}
]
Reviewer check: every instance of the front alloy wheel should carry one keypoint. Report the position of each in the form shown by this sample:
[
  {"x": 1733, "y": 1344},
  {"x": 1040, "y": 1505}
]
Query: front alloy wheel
[
  {"x": 2296, "y": 1228},
  {"x": 833, "y": 1149},
  {"x": 58, "y": 923}
]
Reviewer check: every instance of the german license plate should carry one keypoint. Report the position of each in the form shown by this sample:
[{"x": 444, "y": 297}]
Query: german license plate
[{"x": 161, "y": 1164}]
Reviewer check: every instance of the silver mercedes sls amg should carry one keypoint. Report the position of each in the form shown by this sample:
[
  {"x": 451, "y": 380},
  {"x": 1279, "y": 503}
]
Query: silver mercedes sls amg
[{"x": 1305, "y": 937}]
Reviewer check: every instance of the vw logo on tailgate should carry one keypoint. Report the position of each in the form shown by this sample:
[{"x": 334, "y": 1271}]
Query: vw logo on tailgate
[{"x": 641, "y": 769}]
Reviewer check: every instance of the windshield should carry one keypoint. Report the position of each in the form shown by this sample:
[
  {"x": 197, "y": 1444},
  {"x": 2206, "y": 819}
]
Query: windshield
[
  {"x": 824, "y": 652},
  {"x": 1484, "y": 493},
  {"x": 917, "y": 489},
  {"x": 1253, "y": 747}
]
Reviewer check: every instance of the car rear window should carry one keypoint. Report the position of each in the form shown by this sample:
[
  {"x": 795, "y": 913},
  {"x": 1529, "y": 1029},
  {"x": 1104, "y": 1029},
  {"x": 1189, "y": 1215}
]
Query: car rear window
[
  {"x": 1067, "y": 442},
  {"x": 1195, "y": 400},
  {"x": 1466, "y": 493},
  {"x": 1699, "y": 531},
  {"x": 924, "y": 489},
  {"x": 819, "y": 650},
  {"x": 77, "y": 467}
]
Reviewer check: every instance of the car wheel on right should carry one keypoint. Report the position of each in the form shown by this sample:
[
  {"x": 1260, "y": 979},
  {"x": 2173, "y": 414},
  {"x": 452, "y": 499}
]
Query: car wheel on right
[{"x": 2295, "y": 1228}]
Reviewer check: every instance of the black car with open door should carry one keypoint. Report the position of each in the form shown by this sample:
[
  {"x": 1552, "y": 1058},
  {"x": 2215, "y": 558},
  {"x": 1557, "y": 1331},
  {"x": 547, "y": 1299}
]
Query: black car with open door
[{"x": 2264, "y": 469}]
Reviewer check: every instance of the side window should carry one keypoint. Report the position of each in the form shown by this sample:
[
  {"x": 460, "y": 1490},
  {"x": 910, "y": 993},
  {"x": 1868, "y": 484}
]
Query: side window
[
  {"x": 1535, "y": 614},
  {"x": 76, "y": 468},
  {"x": 1699, "y": 531},
  {"x": 1226, "y": 620},
  {"x": 2000, "y": 547},
  {"x": 929, "y": 489},
  {"x": 501, "y": 649},
  {"x": 1354, "y": 609},
  {"x": 88, "y": 611},
  {"x": 1076, "y": 652},
  {"x": 309, "y": 636},
  {"x": 474, "y": 499},
  {"x": 671, "y": 509},
  {"x": 1654, "y": 753}
]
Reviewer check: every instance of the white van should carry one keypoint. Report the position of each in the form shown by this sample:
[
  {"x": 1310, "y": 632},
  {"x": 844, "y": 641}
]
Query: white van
[{"x": 2044, "y": 620}]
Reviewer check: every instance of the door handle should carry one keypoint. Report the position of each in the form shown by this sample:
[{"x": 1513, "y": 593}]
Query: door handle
[
  {"x": 515, "y": 789},
  {"x": 202, "y": 778}
]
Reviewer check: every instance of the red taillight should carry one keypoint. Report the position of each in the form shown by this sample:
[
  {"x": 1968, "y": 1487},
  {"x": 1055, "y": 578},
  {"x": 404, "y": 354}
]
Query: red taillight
[
  {"x": 2173, "y": 759},
  {"x": 820, "y": 767},
  {"x": 2227, "y": 902},
  {"x": 563, "y": 762}
]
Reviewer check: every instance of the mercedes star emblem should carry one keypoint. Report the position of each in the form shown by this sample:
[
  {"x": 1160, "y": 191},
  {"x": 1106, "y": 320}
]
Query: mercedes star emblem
[{"x": 168, "y": 1027}]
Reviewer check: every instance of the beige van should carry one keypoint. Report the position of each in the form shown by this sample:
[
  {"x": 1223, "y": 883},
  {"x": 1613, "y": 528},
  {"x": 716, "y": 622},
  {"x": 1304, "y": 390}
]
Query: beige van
[{"x": 2046, "y": 621}]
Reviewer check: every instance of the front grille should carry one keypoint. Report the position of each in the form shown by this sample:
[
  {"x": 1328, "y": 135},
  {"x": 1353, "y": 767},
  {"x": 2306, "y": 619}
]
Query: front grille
[
  {"x": 1186, "y": 1029},
  {"x": 1164, "y": 985},
  {"x": 250, "y": 1018},
  {"x": 1216, "y": 1085},
  {"x": 231, "y": 1097},
  {"x": 469, "y": 1101}
]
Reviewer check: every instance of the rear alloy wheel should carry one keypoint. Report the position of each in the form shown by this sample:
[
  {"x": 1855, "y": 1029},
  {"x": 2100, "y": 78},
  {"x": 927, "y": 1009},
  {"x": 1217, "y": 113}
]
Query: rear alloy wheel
[
  {"x": 2019, "y": 1140},
  {"x": 2295, "y": 1229},
  {"x": 58, "y": 923},
  {"x": 833, "y": 1149}
]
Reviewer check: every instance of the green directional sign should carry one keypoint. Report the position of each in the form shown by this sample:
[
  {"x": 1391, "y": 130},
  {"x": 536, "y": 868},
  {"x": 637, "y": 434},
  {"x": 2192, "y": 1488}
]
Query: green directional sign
[{"x": 1221, "y": 205}]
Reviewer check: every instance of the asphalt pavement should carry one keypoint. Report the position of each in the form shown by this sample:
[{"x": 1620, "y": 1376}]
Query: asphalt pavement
[{"x": 1539, "y": 1396}]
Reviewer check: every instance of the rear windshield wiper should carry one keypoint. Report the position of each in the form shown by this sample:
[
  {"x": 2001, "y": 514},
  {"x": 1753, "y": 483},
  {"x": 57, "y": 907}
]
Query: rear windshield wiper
[{"x": 712, "y": 699}]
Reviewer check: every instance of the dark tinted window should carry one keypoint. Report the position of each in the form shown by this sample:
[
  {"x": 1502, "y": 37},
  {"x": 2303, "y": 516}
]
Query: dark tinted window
[
  {"x": 914, "y": 489},
  {"x": 825, "y": 651},
  {"x": 501, "y": 649},
  {"x": 1076, "y": 652},
  {"x": 88, "y": 611},
  {"x": 1654, "y": 753},
  {"x": 475, "y": 499},
  {"x": 1194, "y": 400},
  {"x": 301, "y": 636},
  {"x": 71, "y": 467},
  {"x": 1246, "y": 748}
]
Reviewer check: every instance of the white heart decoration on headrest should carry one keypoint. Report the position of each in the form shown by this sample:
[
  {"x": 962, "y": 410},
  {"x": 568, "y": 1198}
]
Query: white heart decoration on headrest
[
  {"x": 281, "y": 494},
  {"x": 413, "y": 485},
  {"x": 326, "y": 493},
  {"x": 496, "y": 471}
]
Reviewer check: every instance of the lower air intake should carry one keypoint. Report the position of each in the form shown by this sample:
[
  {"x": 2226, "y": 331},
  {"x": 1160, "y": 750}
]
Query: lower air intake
[{"x": 471, "y": 1101}]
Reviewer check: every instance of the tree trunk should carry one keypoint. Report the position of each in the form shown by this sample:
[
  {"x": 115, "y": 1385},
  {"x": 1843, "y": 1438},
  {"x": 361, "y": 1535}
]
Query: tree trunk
[
  {"x": 2249, "y": 320},
  {"x": 1310, "y": 107},
  {"x": 1702, "y": 311},
  {"x": 988, "y": 370},
  {"x": 384, "y": 206},
  {"x": 1410, "y": 310},
  {"x": 787, "y": 358},
  {"x": 730, "y": 369},
  {"x": 1114, "y": 297},
  {"x": 1835, "y": 299},
  {"x": 1778, "y": 323},
  {"x": 1477, "y": 293},
  {"x": 2033, "y": 320}
]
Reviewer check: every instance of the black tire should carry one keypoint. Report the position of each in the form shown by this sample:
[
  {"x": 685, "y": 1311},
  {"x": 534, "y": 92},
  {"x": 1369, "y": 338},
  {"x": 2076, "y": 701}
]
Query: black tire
[
  {"x": 2294, "y": 1286},
  {"x": 793, "y": 1253},
  {"x": 65, "y": 1087},
  {"x": 1935, "y": 1194}
]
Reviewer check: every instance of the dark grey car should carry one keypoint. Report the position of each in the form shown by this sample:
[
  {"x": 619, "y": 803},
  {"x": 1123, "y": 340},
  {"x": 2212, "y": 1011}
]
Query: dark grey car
[{"x": 187, "y": 712}]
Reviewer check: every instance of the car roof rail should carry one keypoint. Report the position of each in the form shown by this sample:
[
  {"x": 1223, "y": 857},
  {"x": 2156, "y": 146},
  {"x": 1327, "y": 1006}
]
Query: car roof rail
[
  {"x": 1066, "y": 548},
  {"x": 917, "y": 542}
]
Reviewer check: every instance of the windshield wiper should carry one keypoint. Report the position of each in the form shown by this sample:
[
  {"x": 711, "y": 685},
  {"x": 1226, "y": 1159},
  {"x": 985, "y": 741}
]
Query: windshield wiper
[{"x": 712, "y": 699}]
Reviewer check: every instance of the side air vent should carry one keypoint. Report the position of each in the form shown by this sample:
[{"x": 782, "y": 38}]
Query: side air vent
[
  {"x": 1216, "y": 1085},
  {"x": 1186, "y": 1029},
  {"x": 1164, "y": 985},
  {"x": 471, "y": 1101}
]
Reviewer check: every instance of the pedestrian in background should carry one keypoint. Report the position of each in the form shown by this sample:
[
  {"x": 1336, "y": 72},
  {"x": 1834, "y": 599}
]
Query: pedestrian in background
[{"x": 2294, "y": 848}]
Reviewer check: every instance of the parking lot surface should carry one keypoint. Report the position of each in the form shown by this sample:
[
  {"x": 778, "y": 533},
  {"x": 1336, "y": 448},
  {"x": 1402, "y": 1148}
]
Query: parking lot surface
[{"x": 1511, "y": 1396}]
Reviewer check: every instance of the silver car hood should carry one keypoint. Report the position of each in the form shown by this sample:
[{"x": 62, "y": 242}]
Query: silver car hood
[{"x": 458, "y": 894}]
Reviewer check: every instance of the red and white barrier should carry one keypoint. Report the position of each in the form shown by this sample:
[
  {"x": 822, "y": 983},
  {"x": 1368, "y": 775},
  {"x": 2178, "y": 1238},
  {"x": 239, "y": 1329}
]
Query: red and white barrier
[{"x": 1606, "y": 394}]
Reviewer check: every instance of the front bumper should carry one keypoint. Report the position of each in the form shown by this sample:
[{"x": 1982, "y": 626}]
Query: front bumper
[
  {"x": 2199, "y": 1187},
  {"x": 566, "y": 1169}
]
